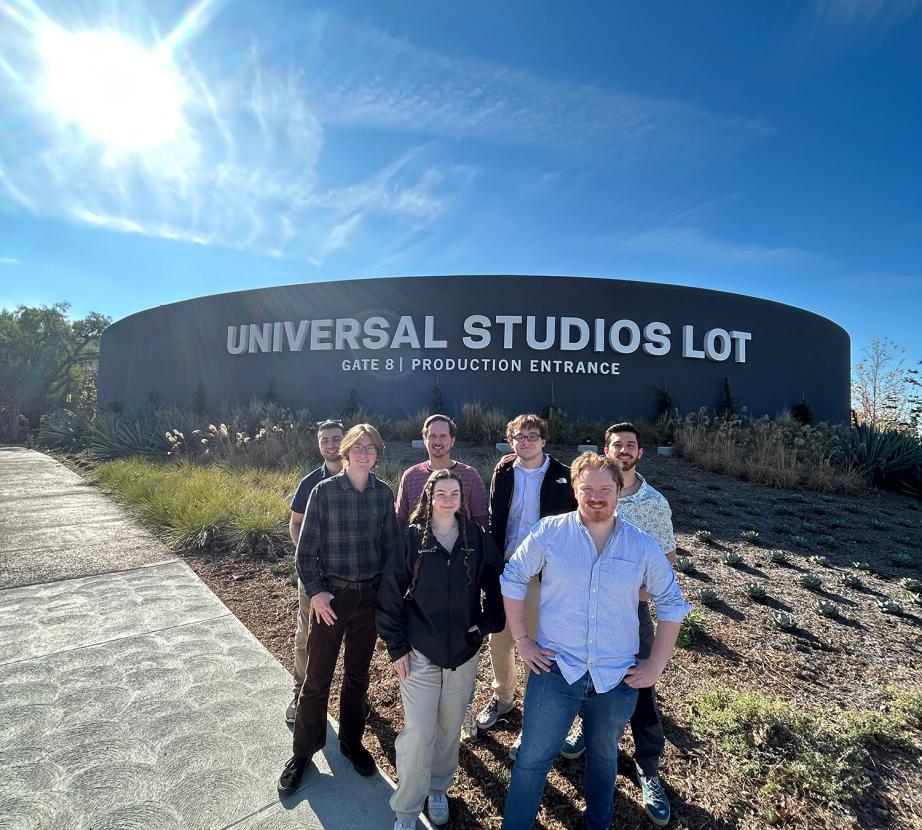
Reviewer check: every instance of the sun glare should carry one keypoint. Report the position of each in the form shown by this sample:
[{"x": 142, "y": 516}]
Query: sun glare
[{"x": 126, "y": 97}]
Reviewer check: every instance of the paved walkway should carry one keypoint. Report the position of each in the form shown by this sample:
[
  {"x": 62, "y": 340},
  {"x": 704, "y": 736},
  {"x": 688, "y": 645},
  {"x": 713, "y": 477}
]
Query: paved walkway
[{"x": 130, "y": 697}]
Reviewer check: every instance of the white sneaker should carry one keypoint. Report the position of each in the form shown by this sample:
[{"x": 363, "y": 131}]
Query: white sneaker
[
  {"x": 468, "y": 727},
  {"x": 405, "y": 824},
  {"x": 437, "y": 807}
]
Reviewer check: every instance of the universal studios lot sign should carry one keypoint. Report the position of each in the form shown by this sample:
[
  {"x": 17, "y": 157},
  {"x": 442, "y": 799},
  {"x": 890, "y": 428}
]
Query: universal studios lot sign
[
  {"x": 596, "y": 347},
  {"x": 478, "y": 331}
]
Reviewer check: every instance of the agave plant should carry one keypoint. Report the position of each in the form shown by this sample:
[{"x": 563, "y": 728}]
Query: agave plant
[
  {"x": 731, "y": 558},
  {"x": 826, "y": 540},
  {"x": 684, "y": 564},
  {"x": 756, "y": 591},
  {"x": 852, "y": 581},
  {"x": 751, "y": 536},
  {"x": 911, "y": 584},
  {"x": 826, "y": 607},
  {"x": 700, "y": 523},
  {"x": 900, "y": 559},
  {"x": 779, "y": 557},
  {"x": 808, "y": 527},
  {"x": 703, "y": 536},
  {"x": 889, "y": 606},
  {"x": 822, "y": 561},
  {"x": 878, "y": 524},
  {"x": 800, "y": 541},
  {"x": 784, "y": 620},
  {"x": 811, "y": 581},
  {"x": 708, "y": 596},
  {"x": 862, "y": 566},
  {"x": 785, "y": 510}
]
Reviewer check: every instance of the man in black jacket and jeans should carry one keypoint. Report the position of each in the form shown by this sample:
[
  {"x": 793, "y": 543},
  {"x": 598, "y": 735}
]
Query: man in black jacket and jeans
[{"x": 526, "y": 487}]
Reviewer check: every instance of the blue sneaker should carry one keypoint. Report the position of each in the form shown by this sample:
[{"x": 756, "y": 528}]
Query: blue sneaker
[
  {"x": 574, "y": 745},
  {"x": 655, "y": 802}
]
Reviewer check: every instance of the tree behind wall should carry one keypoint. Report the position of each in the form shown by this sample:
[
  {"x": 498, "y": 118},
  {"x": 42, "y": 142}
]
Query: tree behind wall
[
  {"x": 46, "y": 361},
  {"x": 885, "y": 394}
]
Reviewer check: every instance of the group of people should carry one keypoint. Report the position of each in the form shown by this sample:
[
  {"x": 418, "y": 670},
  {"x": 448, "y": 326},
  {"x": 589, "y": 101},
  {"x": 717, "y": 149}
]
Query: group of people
[{"x": 555, "y": 564}]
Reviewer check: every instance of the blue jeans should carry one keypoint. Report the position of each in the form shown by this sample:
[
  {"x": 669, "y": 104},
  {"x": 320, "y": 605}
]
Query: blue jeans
[{"x": 550, "y": 706}]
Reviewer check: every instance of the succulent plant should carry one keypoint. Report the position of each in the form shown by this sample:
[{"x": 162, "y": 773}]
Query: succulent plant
[
  {"x": 784, "y": 620},
  {"x": 811, "y": 581},
  {"x": 854, "y": 508},
  {"x": 852, "y": 581},
  {"x": 808, "y": 527},
  {"x": 726, "y": 511},
  {"x": 836, "y": 522},
  {"x": 756, "y": 590},
  {"x": 785, "y": 510},
  {"x": 906, "y": 523},
  {"x": 713, "y": 485},
  {"x": 751, "y": 536},
  {"x": 877, "y": 523},
  {"x": 826, "y": 607},
  {"x": 731, "y": 558},
  {"x": 904, "y": 540},
  {"x": 901, "y": 560},
  {"x": 826, "y": 540},
  {"x": 800, "y": 541},
  {"x": 703, "y": 536},
  {"x": 798, "y": 498},
  {"x": 911, "y": 584},
  {"x": 708, "y": 498},
  {"x": 740, "y": 503},
  {"x": 889, "y": 606},
  {"x": 683, "y": 564},
  {"x": 700, "y": 523},
  {"x": 916, "y": 598},
  {"x": 862, "y": 566},
  {"x": 819, "y": 509},
  {"x": 779, "y": 557},
  {"x": 816, "y": 559},
  {"x": 691, "y": 629},
  {"x": 708, "y": 596}
]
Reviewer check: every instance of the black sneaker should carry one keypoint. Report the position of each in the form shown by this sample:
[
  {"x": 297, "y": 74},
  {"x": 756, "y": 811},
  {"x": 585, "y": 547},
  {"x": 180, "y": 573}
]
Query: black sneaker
[
  {"x": 361, "y": 758},
  {"x": 290, "y": 778}
]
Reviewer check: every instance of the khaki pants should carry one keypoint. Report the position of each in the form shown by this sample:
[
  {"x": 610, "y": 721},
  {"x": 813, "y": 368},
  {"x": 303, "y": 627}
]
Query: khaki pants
[
  {"x": 434, "y": 703},
  {"x": 304, "y": 617},
  {"x": 502, "y": 649}
]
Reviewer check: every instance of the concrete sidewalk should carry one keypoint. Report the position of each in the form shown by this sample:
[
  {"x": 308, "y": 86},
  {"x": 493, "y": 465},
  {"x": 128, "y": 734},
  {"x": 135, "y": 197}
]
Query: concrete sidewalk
[{"x": 130, "y": 697}]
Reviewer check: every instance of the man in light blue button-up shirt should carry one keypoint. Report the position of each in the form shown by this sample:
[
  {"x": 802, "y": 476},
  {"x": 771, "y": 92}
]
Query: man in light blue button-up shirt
[{"x": 593, "y": 566}]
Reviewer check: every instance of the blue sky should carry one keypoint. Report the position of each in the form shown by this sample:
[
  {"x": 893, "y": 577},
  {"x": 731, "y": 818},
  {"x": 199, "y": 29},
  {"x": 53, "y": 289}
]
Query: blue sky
[{"x": 154, "y": 152}]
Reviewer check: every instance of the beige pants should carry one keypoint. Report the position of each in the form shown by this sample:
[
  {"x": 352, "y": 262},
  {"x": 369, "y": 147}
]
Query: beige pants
[
  {"x": 502, "y": 649},
  {"x": 434, "y": 703},
  {"x": 304, "y": 619}
]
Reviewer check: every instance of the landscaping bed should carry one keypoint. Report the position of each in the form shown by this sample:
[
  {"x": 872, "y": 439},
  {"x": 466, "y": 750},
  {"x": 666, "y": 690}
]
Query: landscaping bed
[{"x": 812, "y": 727}]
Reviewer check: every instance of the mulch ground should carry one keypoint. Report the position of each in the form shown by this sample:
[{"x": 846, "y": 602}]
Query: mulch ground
[{"x": 843, "y": 662}]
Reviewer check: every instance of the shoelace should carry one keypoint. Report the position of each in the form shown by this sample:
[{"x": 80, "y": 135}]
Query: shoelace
[{"x": 655, "y": 790}]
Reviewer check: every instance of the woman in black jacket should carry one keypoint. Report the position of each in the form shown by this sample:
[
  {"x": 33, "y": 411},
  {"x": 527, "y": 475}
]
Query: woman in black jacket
[{"x": 431, "y": 616}]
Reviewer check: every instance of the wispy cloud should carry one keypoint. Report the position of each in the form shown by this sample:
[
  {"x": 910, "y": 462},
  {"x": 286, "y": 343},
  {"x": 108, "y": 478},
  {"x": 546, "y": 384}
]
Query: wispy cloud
[
  {"x": 859, "y": 14},
  {"x": 242, "y": 172},
  {"x": 9, "y": 262},
  {"x": 695, "y": 246},
  {"x": 398, "y": 85}
]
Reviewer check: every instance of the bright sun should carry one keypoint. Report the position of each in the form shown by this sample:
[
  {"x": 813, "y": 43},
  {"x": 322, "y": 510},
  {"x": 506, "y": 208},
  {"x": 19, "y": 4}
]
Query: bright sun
[{"x": 125, "y": 97}]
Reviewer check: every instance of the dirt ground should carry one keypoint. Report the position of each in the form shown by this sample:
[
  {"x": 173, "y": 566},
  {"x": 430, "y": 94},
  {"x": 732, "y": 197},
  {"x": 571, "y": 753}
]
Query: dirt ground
[{"x": 842, "y": 662}]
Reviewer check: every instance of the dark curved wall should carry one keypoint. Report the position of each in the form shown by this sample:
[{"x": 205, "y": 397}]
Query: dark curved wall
[{"x": 773, "y": 355}]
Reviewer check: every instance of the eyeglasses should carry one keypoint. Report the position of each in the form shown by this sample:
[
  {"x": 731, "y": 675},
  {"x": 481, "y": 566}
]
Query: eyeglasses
[
  {"x": 532, "y": 438},
  {"x": 364, "y": 449}
]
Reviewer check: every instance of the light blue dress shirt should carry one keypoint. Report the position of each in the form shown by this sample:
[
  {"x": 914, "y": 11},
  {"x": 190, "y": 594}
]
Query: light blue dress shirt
[
  {"x": 525, "y": 509},
  {"x": 588, "y": 612}
]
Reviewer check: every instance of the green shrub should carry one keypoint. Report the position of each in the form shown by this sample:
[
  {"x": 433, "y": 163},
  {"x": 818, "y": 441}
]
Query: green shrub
[
  {"x": 890, "y": 458},
  {"x": 693, "y": 626},
  {"x": 65, "y": 430},
  {"x": 480, "y": 425},
  {"x": 785, "y": 747},
  {"x": 130, "y": 432}
]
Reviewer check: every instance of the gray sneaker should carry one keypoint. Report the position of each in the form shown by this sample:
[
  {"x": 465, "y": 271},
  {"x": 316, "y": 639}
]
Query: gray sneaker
[{"x": 492, "y": 712}]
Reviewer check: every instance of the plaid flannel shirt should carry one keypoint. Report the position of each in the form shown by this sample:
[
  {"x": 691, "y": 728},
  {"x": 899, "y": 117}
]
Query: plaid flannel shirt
[{"x": 346, "y": 533}]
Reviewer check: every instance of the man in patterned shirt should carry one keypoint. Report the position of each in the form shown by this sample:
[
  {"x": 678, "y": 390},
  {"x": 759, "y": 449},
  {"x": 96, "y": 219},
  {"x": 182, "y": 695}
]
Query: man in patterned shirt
[
  {"x": 349, "y": 530},
  {"x": 647, "y": 509}
]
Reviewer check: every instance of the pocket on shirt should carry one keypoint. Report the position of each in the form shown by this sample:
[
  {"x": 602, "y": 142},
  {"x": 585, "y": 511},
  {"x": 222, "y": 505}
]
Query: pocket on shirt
[{"x": 623, "y": 576}]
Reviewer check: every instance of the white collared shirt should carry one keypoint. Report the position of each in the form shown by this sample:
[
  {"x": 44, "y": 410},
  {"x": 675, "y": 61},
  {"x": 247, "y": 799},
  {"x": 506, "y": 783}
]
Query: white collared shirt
[{"x": 525, "y": 509}]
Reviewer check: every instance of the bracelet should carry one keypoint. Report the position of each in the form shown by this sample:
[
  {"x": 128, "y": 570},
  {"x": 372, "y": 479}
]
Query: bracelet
[{"x": 523, "y": 637}]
